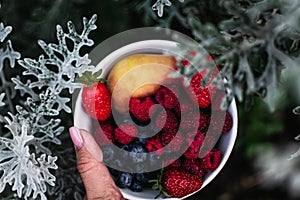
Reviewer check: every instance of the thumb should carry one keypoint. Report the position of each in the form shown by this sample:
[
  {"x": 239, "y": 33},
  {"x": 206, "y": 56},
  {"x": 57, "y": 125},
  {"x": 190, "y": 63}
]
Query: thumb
[{"x": 95, "y": 176}]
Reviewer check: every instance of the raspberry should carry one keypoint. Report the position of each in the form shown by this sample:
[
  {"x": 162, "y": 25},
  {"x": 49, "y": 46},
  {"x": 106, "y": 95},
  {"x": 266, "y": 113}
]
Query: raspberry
[
  {"x": 154, "y": 144},
  {"x": 211, "y": 160},
  {"x": 125, "y": 133},
  {"x": 166, "y": 97},
  {"x": 219, "y": 117},
  {"x": 193, "y": 166},
  {"x": 204, "y": 93},
  {"x": 184, "y": 107},
  {"x": 203, "y": 122},
  {"x": 209, "y": 143},
  {"x": 167, "y": 121},
  {"x": 172, "y": 163},
  {"x": 190, "y": 121},
  {"x": 176, "y": 139},
  {"x": 228, "y": 123},
  {"x": 140, "y": 108},
  {"x": 104, "y": 135},
  {"x": 193, "y": 151}
]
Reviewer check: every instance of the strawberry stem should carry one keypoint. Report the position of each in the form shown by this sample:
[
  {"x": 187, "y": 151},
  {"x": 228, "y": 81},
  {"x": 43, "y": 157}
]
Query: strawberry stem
[{"x": 88, "y": 78}]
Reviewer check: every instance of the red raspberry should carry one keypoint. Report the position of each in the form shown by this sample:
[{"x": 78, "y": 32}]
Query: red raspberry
[
  {"x": 176, "y": 138},
  {"x": 203, "y": 122},
  {"x": 228, "y": 123},
  {"x": 190, "y": 121},
  {"x": 209, "y": 143},
  {"x": 204, "y": 91},
  {"x": 140, "y": 108},
  {"x": 203, "y": 94},
  {"x": 193, "y": 151},
  {"x": 218, "y": 116},
  {"x": 193, "y": 166},
  {"x": 166, "y": 96},
  {"x": 154, "y": 144},
  {"x": 186, "y": 105},
  {"x": 167, "y": 121},
  {"x": 104, "y": 135},
  {"x": 172, "y": 163},
  {"x": 125, "y": 133},
  {"x": 211, "y": 160}
]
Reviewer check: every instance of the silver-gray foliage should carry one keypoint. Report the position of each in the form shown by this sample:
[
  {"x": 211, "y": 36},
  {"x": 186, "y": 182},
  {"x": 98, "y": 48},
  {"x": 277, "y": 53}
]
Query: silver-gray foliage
[{"x": 26, "y": 157}]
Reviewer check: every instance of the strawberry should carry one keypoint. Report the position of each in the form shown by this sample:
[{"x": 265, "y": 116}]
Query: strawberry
[
  {"x": 125, "y": 133},
  {"x": 96, "y": 98},
  {"x": 179, "y": 183}
]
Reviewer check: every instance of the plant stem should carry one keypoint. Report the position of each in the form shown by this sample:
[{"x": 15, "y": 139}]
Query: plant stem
[{"x": 7, "y": 92}]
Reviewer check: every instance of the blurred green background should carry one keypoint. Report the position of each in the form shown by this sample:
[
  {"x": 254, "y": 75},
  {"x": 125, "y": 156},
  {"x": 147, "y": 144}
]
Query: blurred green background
[{"x": 259, "y": 129}]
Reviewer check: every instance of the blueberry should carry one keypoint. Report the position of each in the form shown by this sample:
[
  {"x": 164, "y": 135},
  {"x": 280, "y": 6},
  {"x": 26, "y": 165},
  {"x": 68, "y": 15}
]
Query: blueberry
[
  {"x": 138, "y": 153},
  {"x": 124, "y": 180},
  {"x": 140, "y": 140},
  {"x": 142, "y": 177},
  {"x": 136, "y": 186}
]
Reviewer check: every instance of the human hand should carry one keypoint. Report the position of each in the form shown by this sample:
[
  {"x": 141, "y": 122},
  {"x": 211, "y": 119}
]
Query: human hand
[{"x": 95, "y": 176}]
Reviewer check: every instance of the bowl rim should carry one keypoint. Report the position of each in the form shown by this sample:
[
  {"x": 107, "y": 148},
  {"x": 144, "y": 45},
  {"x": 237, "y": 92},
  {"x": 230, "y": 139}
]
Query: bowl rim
[{"x": 157, "y": 46}]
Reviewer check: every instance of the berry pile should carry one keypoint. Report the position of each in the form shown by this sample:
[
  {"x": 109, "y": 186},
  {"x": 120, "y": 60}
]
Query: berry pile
[{"x": 174, "y": 137}]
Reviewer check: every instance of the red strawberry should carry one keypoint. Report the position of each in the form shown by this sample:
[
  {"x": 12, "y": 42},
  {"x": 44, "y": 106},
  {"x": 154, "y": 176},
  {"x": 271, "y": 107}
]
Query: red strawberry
[
  {"x": 125, "y": 133},
  {"x": 179, "y": 183},
  {"x": 193, "y": 166},
  {"x": 97, "y": 101},
  {"x": 104, "y": 135},
  {"x": 140, "y": 108},
  {"x": 211, "y": 160}
]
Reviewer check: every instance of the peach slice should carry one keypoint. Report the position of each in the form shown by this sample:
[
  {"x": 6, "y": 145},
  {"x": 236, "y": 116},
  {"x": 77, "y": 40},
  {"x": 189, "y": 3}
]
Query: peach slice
[{"x": 138, "y": 76}]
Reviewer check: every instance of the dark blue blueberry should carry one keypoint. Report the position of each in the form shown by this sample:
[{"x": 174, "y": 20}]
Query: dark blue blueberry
[
  {"x": 138, "y": 153},
  {"x": 136, "y": 186},
  {"x": 142, "y": 177},
  {"x": 141, "y": 140},
  {"x": 124, "y": 180}
]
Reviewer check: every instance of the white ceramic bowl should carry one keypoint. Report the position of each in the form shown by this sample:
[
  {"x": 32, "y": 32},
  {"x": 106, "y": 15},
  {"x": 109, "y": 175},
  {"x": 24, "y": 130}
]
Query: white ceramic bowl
[{"x": 83, "y": 121}]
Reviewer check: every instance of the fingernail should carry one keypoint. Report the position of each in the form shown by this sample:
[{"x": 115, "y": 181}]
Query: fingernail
[{"x": 76, "y": 137}]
